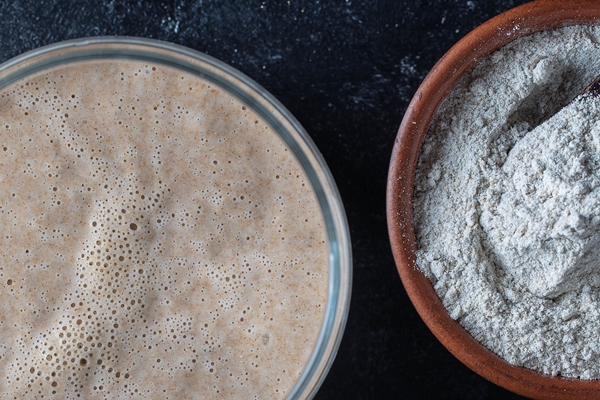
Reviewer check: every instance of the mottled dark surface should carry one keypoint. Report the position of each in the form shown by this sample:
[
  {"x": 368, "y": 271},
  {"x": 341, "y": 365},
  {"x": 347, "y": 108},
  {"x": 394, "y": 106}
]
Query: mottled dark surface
[{"x": 346, "y": 70}]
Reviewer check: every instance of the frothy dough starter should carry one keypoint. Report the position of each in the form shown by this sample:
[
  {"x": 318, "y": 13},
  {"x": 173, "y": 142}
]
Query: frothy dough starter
[{"x": 158, "y": 240}]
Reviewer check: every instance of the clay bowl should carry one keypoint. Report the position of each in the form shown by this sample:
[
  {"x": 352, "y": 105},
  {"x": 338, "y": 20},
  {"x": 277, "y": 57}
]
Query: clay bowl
[{"x": 521, "y": 21}]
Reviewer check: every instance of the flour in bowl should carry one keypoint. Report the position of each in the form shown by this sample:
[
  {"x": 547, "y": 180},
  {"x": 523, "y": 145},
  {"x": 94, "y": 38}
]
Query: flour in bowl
[{"x": 507, "y": 203}]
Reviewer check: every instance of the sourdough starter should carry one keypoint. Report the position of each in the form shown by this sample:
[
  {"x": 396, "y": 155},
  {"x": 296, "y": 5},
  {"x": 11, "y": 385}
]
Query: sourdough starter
[{"x": 158, "y": 240}]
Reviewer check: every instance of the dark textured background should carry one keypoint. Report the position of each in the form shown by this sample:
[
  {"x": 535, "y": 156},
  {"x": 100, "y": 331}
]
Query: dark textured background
[{"x": 346, "y": 70}]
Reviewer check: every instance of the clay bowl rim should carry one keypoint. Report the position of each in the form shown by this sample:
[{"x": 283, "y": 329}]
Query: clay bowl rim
[{"x": 521, "y": 21}]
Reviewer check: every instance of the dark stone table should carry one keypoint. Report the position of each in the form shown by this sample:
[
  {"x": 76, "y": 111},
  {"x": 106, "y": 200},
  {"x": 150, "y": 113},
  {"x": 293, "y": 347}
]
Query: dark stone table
[{"x": 347, "y": 70}]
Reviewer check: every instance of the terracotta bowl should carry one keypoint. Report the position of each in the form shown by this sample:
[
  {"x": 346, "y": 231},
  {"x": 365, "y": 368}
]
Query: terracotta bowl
[{"x": 521, "y": 21}]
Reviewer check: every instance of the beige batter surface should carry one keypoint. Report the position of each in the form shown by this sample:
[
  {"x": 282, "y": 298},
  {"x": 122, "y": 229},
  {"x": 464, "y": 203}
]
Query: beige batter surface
[{"x": 158, "y": 241}]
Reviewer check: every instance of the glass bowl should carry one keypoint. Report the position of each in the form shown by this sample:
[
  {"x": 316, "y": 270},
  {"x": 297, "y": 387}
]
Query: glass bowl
[{"x": 248, "y": 92}]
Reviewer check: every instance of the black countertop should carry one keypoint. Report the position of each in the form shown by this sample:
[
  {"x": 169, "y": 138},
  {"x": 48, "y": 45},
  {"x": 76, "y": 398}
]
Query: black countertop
[{"x": 347, "y": 70}]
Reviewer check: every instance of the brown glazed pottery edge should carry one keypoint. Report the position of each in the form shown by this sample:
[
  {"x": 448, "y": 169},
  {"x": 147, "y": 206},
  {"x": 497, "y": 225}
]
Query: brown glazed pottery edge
[{"x": 518, "y": 22}]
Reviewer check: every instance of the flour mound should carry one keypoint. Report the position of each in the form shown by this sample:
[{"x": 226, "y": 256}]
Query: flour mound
[{"x": 545, "y": 229}]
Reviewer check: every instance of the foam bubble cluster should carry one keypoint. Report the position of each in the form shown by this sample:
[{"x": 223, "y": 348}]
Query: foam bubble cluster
[{"x": 159, "y": 241}]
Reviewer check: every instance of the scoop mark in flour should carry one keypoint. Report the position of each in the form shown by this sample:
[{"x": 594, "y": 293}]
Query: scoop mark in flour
[{"x": 545, "y": 98}]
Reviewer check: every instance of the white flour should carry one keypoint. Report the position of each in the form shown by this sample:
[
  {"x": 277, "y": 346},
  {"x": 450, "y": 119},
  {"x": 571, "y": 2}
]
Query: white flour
[{"x": 507, "y": 203}]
